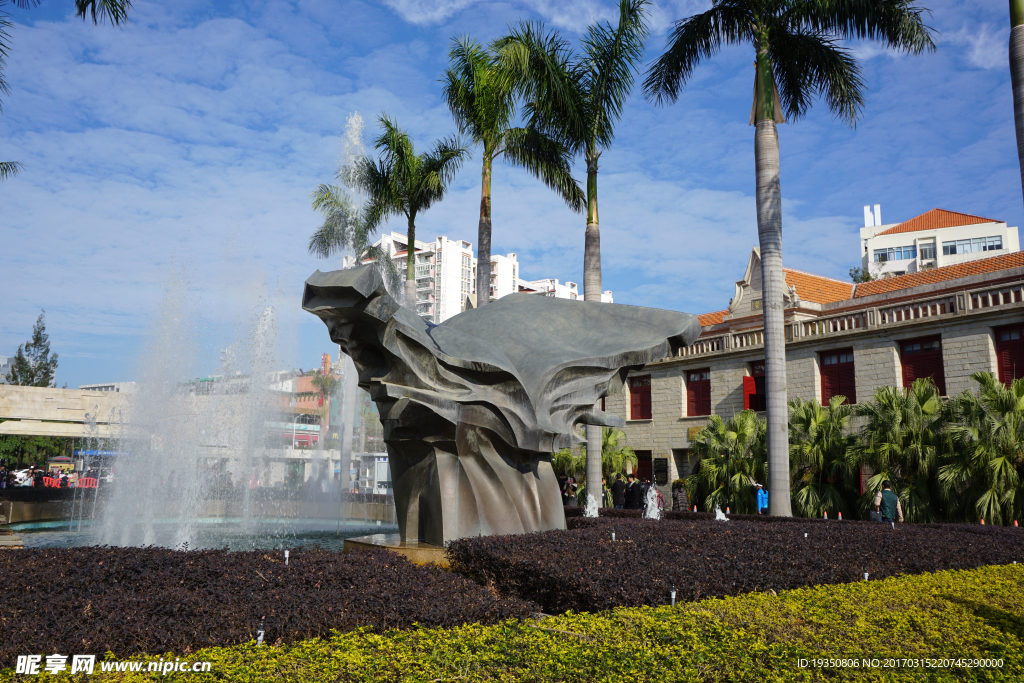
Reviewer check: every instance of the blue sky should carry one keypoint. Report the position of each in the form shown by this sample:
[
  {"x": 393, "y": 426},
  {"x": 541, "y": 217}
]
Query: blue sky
[{"x": 178, "y": 154}]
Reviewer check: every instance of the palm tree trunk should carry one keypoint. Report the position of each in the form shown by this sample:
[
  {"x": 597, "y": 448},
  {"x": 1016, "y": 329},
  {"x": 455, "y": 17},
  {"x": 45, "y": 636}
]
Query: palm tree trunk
[
  {"x": 769, "y": 233},
  {"x": 1017, "y": 76},
  {"x": 592, "y": 292},
  {"x": 410, "y": 267},
  {"x": 483, "y": 236}
]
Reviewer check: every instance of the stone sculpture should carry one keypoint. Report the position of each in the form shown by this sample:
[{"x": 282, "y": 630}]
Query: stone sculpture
[{"x": 472, "y": 408}]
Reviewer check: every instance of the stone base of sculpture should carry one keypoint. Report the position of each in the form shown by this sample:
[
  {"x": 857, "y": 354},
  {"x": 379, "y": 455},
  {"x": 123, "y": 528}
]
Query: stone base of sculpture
[{"x": 472, "y": 408}]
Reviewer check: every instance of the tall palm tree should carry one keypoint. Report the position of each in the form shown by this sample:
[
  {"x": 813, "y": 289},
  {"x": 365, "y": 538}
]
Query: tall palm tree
[
  {"x": 578, "y": 99},
  {"x": 482, "y": 98},
  {"x": 901, "y": 442},
  {"x": 402, "y": 182},
  {"x": 114, "y": 11},
  {"x": 1017, "y": 76},
  {"x": 984, "y": 475},
  {"x": 798, "y": 56},
  {"x": 819, "y": 440},
  {"x": 732, "y": 457}
]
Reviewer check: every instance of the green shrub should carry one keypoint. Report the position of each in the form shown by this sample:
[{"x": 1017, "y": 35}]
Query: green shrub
[{"x": 755, "y": 637}]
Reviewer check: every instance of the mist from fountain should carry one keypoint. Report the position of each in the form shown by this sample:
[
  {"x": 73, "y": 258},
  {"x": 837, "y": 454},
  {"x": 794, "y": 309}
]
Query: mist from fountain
[{"x": 197, "y": 460}]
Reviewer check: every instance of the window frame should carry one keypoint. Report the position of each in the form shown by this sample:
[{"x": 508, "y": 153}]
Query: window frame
[
  {"x": 638, "y": 388},
  {"x": 698, "y": 392},
  {"x": 837, "y": 372},
  {"x": 934, "y": 353}
]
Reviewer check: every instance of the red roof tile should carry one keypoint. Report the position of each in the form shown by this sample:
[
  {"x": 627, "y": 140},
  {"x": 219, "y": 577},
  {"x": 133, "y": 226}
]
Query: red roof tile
[
  {"x": 706, "y": 319},
  {"x": 935, "y": 219},
  {"x": 935, "y": 275},
  {"x": 817, "y": 289}
]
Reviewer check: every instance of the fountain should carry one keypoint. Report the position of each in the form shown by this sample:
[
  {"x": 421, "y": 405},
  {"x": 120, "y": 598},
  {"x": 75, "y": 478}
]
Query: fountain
[{"x": 472, "y": 408}]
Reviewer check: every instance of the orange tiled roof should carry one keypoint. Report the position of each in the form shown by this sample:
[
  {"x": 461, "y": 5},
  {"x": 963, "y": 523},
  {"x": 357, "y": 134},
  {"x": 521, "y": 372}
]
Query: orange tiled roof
[
  {"x": 935, "y": 219},
  {"x": 706, "y": 319},
  {"x": 818, "y": 289},
  {"x": 934, "y": 275}
]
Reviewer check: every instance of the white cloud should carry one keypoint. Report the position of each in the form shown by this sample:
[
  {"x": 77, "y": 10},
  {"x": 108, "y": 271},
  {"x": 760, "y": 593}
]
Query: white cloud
[{"x": 986, "y": 47}]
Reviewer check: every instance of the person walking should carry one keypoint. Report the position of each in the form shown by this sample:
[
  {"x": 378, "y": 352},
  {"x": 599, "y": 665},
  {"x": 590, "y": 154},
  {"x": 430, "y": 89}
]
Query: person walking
[
  {"x": 680, "y": 501},
  {"x": 634, "y": 496},
  {"x": 762, "y": 500},
  {"x": 887, "y": 504},
  {"x": 606, "y": 494},
  {"x": 619, "y": 493}
]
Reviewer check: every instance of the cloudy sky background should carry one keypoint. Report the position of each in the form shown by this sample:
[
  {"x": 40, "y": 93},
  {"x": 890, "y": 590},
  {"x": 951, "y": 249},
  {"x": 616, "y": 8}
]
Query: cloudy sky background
[{"x": 175, "y": 157}]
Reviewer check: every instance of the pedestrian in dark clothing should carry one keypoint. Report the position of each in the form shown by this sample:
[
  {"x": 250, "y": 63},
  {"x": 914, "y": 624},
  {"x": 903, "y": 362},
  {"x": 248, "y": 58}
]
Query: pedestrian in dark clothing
[
  {"x": 888, "y": 504},
  {"x": 680, "y": 501},
  {"x": 634, "y": 496},
  {"x": 619, "y": 492}
]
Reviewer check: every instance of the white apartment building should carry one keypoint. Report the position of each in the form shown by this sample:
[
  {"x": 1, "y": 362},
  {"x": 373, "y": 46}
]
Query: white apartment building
[
  {"x": 934, "y": 239},
  {"x": 504, "y": 276},
  {"x": 116, "y": 387},
  {"x": 552, "y": 287},
  {"x": 445, "y": 273},
  {"x": 446, "y": 276},
  {"x": 5, "y": 367}
]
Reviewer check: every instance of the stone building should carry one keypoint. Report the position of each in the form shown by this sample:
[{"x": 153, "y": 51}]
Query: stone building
[{"x": 847, "y": 339}]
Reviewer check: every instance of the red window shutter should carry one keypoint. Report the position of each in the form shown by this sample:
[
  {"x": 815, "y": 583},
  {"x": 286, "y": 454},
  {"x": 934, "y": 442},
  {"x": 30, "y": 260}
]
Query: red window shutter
[
  {"x": 749, "y": 390},
  {"x": 692, "y": 398},
  {"x": 645, "y": 402},
  {"x": 705, "y": 401},
  {"x": 847, "y": 383},
  {"x": 1010, "y": 353},
  {"x": 634, "y": 403},
  {"x": 829, "y": 383}
]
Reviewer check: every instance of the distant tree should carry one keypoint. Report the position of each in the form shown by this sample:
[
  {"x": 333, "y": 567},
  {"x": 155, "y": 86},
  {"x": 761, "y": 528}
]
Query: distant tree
[
  {"x": 901, "y": 442},
  {"x": 33, "y": 366},
  {"x": 733, "y": 456},
  {"x": 114, "y": 11},
  {"x": 482, "y": 98},
  {"x": 819, "y": 439},
  {"x": 404, "y": 183},
  {"x": 344, "y": 224},
  {"x": 859, "y": 275}
]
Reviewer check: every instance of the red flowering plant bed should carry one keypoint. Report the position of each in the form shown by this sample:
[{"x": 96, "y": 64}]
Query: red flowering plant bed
[
  {"x": 582, "y": 569},
  {"x": 154, "y": 600}
]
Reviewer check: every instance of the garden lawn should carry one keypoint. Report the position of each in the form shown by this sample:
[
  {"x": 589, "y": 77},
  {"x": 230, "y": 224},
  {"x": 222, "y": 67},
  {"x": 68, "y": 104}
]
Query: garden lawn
[{"x": 971, "y": 614}]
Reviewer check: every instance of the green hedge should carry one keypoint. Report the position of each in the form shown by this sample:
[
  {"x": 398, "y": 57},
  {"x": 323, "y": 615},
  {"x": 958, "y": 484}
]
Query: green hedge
[{"x": 755, "y": 637}]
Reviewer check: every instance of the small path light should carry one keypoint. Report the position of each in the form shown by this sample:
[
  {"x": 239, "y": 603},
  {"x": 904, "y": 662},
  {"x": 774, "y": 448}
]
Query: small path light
[
  {"x": 865, "y": 576},
  {"x": 286, "y": 558},
  {"x": 826, "y": 514},
  {"x": 259, "y": 633},
  {"x": 673, "y": 594},
  {"x": 840, "y": 516},
  {"x": 982, "y": 520},
  {"x": 805, "y": 534},
  {"x": 613, "y": 534}
]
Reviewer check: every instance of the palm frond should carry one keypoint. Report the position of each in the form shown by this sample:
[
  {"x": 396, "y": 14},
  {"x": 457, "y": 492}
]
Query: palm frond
[
  {"x": 115, "y": 11},
  {"x": 611, "y": 58},
  {"x": 897, "y": 23},
  {"x": 809, "y": 64},
  {"x": 693, "y": 40},
  {"x": 9, "y": 169},
  {"x": 547, "y": 159}
]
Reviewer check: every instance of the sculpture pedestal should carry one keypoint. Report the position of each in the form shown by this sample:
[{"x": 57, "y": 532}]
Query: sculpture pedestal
[{"x": 416, "y": 552}]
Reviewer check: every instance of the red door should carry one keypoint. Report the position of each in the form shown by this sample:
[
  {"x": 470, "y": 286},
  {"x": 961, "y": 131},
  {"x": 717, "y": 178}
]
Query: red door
[{"x": 644, "y": 466}]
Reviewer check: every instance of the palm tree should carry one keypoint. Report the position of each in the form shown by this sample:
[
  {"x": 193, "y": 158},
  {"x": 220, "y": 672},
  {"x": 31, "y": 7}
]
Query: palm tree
[
  {"x": 482, "y": 98},
  {"x": 984, "y": 475},
  {"x": 578, "y": 99},
  {"x": 901, "y": 441},
  {"x": 1017, "y": 76},
  {"x": 819, "y": 440},
  {"x": 404, "y": 183},
  {"x": 116, "y": 11},
  {"x": 732, "y": 458},
  {"x": 797, "y": 57}
]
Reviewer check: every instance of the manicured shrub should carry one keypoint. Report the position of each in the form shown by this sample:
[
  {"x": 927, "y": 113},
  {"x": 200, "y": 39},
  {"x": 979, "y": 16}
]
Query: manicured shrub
[
  {"x": 887, "y": 628},
  {"x": 129, "y": 600},
  {"x": 584, "y": 570}
]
